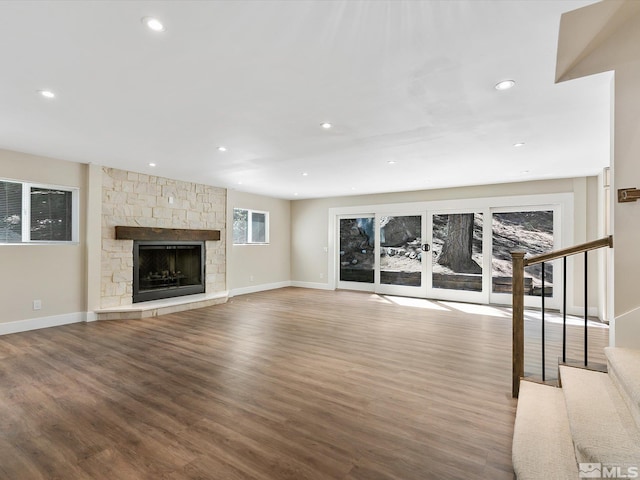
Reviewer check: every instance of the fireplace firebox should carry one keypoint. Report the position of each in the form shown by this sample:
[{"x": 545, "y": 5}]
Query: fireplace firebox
[{"x": 167, "y": 269}]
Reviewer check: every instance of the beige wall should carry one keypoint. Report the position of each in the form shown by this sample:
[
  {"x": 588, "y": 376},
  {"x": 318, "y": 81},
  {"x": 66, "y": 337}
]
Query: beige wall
[
  {"x": 60, "y": 276},
  {"x": 598, "y": 38},
  {"x": 626, "y": 173},
  {"x": 51, "y": 273},
  {"x": 626, "y": 165},
  {"x": 251, "y": 267},
  {"x": 310, "y": 229},
  {"x": 57, "y": 274}
]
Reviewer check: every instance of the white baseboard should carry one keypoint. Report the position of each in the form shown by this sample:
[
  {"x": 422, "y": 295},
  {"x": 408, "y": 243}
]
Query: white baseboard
[
  {"x": 272, "y": 286},
  {"x": 42, "y": 322},
  {"x": 317, "y": 286},
  {"x": 579, "y": 311},
  {"x": 258, "y": 288}
]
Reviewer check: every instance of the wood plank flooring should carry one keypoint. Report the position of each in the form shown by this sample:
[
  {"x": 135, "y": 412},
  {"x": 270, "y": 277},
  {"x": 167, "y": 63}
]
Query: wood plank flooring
[{"x": 287, "y": 384}]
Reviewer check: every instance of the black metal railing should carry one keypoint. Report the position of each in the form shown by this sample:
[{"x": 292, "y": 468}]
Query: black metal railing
[{"x": 519, "y": 264}]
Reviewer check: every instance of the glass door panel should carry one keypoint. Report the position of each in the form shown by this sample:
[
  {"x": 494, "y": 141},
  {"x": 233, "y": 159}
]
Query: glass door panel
[
  {"x": 528, "y": 230},
  {"x": 457, "y": 252},
  {"x": 461, "y": 253},
  {"x": 400, "y": 253},
  {"x": 357, "y": 260}
]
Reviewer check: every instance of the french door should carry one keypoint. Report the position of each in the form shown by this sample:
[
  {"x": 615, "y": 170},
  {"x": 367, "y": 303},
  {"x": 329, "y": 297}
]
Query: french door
[
  {"x": 382, "y": 253},
  {"x": 401, "y": 261},
  {"x": 461, "y": 254},
  {"x": 457, "y": 263},
  {"x": 356, "y": 258}
]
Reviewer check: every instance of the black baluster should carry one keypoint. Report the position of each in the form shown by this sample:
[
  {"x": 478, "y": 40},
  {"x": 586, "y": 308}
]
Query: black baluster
[
  {"x": 542, "y": 342},
  {"x": 564, "y": 310},
  {"x": 586, "y": 284}
]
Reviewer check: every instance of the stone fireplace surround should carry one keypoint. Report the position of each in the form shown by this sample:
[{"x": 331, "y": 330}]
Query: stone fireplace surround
[
  {"x": 132, "y": 199},
  {"x": 164, "y": 236}
]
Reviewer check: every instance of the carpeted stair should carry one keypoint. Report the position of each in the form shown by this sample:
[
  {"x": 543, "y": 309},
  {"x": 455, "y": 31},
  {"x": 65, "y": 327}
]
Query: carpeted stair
[{"x": 593, "y": 419}]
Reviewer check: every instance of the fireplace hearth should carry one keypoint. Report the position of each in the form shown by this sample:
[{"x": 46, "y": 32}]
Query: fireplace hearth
[{"x": 167, "y": 269}]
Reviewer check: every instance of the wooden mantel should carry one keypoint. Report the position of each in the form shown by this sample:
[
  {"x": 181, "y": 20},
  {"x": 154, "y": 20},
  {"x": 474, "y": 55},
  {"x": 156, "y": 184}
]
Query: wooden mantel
[{"x": 165, "y": 234}]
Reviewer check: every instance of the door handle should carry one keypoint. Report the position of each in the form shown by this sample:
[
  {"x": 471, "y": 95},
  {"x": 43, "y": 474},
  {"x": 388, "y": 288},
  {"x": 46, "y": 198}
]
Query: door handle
[{"x": 426, "y": 247}]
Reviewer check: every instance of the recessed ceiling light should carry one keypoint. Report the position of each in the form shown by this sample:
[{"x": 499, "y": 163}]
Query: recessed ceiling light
[
  {"x": 519, "y": 144},
  {"x": 152, "y": 164},
  {"x": 505, "y": 85},
  {"x": 47, "y": 93},
  {"x": 525, "y": 171},
  {"x": 222, "y": 149},
  {"x": 305, "y": 174},
  {"x": 326, "y": 125},
  {"x": 153, "y": 24},
  {"x": 391, "y": 162},
  {"x": 240, "y": 183},
  {"x": 295, "y": 194}
]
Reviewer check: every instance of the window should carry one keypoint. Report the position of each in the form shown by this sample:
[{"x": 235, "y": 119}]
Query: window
[
  {"x": 250, "y": 226},
  {"x": 31, "y": 213}
]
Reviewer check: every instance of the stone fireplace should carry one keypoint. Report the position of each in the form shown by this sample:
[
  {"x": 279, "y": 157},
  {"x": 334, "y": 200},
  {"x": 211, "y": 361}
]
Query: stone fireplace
[
  {"x": 178, "y": 209},
  {"x": 167, "y": 269},
  {"x": 167, "y": 262}
]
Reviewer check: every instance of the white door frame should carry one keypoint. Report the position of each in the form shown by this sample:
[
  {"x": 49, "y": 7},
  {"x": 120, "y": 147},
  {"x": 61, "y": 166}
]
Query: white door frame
[{"x": 562, "y": 203}]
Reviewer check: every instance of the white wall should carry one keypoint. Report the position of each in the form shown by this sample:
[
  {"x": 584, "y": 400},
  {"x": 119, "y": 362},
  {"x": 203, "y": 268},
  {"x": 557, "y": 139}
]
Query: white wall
[
  {"x": 54, "y": 274},
  {"x": 252, "y": 268}
]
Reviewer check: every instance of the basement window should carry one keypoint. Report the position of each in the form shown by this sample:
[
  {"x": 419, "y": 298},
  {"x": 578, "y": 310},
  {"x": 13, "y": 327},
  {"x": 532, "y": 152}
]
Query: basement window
[
  {"x": 250, "y": 227},
  {"x": 36, "y": 213}
]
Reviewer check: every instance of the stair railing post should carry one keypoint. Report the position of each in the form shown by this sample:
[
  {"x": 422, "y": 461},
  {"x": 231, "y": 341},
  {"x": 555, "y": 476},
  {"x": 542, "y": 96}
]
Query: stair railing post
[
  {"x": 586, "y": 309},
  {"x": 517, "y": 295}
]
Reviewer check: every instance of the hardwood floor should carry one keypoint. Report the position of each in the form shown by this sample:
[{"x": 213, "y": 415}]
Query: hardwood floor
[{"x": 286, "y": 384}]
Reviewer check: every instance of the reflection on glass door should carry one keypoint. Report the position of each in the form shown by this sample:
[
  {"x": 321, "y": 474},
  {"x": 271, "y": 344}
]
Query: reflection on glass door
[
  {"x": 401, "y": 250},
  {"x": 457, "y": 251},
  {"x": 357, "y": 260},
  {"x": 531, "y": 231}
]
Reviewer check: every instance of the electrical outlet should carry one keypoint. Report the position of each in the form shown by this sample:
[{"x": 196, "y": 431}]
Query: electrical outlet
[
  {"x": 321, "y": 275},
  {"x": 251, "y": 278},
  {"x": 37, "y": 304}
]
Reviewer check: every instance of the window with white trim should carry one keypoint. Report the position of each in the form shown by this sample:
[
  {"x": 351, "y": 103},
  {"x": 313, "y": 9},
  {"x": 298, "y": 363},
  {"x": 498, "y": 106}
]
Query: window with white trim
[
  {"x": 37, "y": 213},
  {"x": 250, "y": 226}
]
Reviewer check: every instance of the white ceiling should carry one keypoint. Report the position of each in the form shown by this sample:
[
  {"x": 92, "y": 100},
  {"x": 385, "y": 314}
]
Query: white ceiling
[{"x": 404, "y": 81}]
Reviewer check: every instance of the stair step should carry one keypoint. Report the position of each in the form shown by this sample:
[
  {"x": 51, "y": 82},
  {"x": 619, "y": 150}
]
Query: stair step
[
  {"x": 624, "y": 369},
  {"x": 596, "y": 367},
  {"x": 602, "y": 427},
  {"x": 542, "y": 446}
]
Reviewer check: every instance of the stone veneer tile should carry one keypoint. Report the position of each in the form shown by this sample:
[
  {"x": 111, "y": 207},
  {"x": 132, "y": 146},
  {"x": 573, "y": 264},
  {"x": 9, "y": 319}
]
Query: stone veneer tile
[{"x": 141, "y": 200}]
